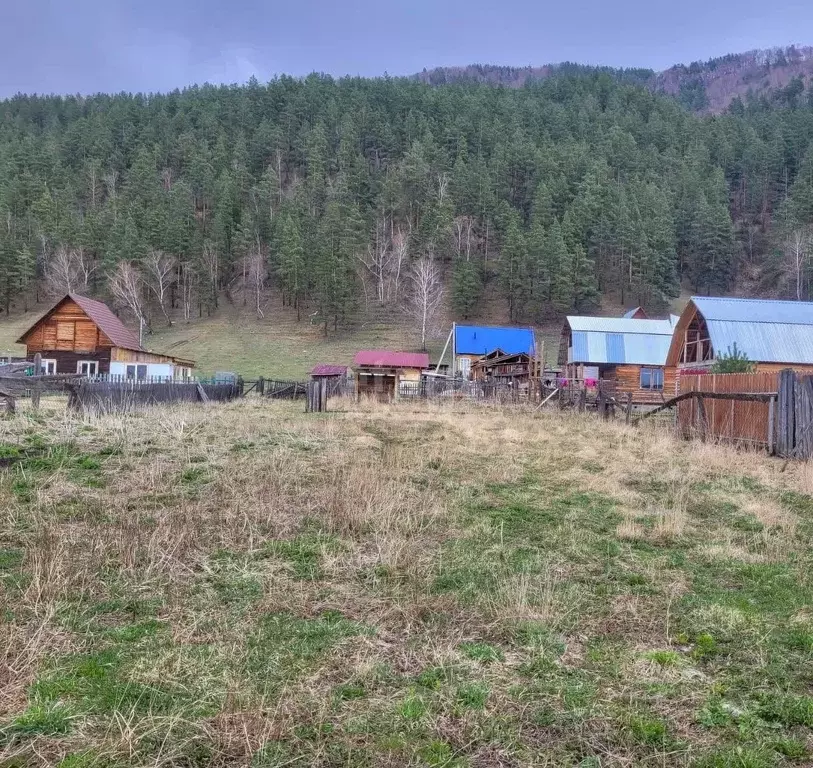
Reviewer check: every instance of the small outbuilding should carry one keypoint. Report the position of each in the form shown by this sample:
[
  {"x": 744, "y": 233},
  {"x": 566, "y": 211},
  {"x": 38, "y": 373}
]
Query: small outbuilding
[
  {"x": 325, "y": 371},
  {"x": 772, "y": 334},
  {"x": 384, "y": 374}
]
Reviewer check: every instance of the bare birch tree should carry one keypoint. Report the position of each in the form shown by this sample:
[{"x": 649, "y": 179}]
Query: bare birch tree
[
  {"x": 798, "y": 246},
  {"x": 159, "y": 269},
  {"x": 400, "y": 251},
  {"x": 188, "y": 280},
  {"x": 376, "y": 261},
  {"x": 127, "y": 286},
  {"x": 425, "y": 296},
  {"x": 68, "y": 271}
]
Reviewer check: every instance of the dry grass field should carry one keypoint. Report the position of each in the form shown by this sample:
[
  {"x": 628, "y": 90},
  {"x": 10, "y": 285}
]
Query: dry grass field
[{"x": 245, "y": 584}]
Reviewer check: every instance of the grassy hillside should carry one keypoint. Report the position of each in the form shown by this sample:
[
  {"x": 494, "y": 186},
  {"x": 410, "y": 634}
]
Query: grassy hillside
[
  {"x": 249, "y": 585},
  {"x": 278, "y": 345}
]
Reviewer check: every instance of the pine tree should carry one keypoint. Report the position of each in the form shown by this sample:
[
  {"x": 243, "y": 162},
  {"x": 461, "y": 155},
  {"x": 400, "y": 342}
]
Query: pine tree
[
  {"x": 290, "y": 254},
  {"x": 514, "y": 267}
]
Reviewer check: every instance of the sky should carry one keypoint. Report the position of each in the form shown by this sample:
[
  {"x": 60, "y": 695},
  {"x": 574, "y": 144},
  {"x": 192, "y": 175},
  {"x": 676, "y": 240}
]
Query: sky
[{"x": 88, "y": 46}]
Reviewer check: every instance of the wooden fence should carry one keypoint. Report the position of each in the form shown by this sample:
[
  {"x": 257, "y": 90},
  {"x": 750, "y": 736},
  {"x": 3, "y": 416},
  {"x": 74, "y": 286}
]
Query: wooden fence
[
  {"x": 733, "y": 420},
  {"x": 122, "y": 396}
]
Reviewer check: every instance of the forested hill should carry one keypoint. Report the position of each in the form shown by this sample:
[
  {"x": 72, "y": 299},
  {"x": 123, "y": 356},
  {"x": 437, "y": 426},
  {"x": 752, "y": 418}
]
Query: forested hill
[
  {"x": 341, "y": 194},
  {"x": 777, "y": 75}
]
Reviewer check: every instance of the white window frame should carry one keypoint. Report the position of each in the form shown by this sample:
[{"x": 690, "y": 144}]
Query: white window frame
[
  {"x": 135, "y": 367},
  {"x": 46, "y": 363},
  {"x": 88, "y": 363}
]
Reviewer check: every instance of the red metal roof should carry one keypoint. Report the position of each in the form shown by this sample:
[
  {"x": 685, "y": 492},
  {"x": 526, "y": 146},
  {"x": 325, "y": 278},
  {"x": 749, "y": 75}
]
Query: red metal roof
[
  {"x": 104, "y": 319},
  {"x": 323, "y": 369},
  {"x": 383, "y": 358}
]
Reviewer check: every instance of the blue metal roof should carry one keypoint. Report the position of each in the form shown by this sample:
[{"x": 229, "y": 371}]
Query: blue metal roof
[
  {"x": 618, "y": 340},
  {"x": 766, "y": 331},
  {"x": 482, "y": 339}
]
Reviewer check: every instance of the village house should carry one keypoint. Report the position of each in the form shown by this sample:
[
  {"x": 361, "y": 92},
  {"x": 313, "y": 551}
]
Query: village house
[
  {"x": 474, "y": 342},
  {"x": 630, "y": 353},
  {"x": 82, "y": 335},
  {"x": 771, "y": 334},
  {"x": 499, "y": 368},
  {"x": 384, "y": 374}
]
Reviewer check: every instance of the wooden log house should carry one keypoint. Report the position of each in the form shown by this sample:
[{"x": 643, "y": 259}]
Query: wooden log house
[
  {"x": 772, "y": 334},
  {"x": 472, "y": 343},
  {"x": 82, "y": 335},
  {"x": 627, "y": 353},
  {"x": 500, "y": 368}
]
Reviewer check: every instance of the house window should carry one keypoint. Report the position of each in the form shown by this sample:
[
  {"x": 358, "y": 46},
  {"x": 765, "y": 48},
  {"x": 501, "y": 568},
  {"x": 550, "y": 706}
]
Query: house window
[
  {"x": 49, "y": 367},
  {"x": 138, "y": 372},
  {"x": 88, "y": 368},
  {"x": 464, "y": 366},
  {"x": 651, "y": 378}
]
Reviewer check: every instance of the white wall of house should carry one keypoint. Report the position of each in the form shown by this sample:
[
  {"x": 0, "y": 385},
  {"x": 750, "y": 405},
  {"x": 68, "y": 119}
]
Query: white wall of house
[{"x": 163, "y": 370}]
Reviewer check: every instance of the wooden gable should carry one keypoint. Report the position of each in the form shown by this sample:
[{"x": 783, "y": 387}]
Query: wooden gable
[{"x": 66, "y": 328}]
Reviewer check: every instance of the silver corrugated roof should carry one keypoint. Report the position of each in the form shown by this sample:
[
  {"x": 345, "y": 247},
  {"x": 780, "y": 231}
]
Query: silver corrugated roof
[
  {"x": 755, "y": 310},
  {"x": 766, "y": 331},
  {"x": 619, "y": 325},
  {"x": 618, "y": 340}
]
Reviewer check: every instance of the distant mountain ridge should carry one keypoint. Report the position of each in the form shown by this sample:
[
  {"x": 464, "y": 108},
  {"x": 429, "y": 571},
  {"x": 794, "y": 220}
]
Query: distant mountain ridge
[{"x": 703, "y": 86}]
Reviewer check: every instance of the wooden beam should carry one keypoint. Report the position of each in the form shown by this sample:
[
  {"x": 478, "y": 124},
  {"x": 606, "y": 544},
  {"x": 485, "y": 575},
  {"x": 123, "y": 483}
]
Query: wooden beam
[{"x": 747, "y": 397}]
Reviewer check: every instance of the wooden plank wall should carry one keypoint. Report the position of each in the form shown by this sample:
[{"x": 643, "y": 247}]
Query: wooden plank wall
[
  {"x": 628, "y": 379},
  {"x": 730, "y": 420},
  {"x": 68, "y": 329}
]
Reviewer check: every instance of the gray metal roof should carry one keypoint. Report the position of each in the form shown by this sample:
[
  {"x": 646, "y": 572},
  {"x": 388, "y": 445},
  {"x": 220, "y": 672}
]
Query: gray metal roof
[
  {"x": 766, "y": 331},
  {"x": 618, "y": 340},
  {"x": 755, "y": 310}
]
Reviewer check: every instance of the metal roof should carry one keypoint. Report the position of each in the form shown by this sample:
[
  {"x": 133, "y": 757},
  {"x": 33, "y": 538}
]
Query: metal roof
[
  {"x": 325, "y": 369},
  {"x": 482, "y": 339},
  {"x": 766, "y": 331},
  {"x": 755, "y": 310},
  {"x": 102, "y": 316},
  {"x": 630, "y": 313},
  {"x": 383, "y": 358},
  {"x": 618, "y": 340},
  {"x": 620, "y": 325}
]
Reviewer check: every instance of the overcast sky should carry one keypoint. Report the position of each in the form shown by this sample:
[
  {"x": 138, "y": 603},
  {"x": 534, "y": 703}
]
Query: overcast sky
[{"x": 85, "y": 46}]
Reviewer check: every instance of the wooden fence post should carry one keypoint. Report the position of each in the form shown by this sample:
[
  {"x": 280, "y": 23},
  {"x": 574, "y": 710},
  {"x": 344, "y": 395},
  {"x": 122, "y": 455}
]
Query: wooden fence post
[
  {"x": 771, "y": 404},
  {"x": 786, "y": 416},
  {"x": 582, "y": 400},
  {"x": 261, "y": 386},
  {"x": 35, "y": 392},
  {"x": 629, "y": 407},
  {"x": 702, "y": 419}
]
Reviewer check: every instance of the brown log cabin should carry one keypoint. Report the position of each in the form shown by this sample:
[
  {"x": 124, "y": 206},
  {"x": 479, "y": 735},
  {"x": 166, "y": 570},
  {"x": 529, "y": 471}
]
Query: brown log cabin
[
  {"x": 771, "y": 334},
  {"x": 82, "y": 335},
  {"x": 627, "y": 352}
]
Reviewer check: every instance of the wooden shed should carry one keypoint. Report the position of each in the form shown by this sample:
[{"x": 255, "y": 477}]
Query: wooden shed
[
  {"x": 81, "y": 335},
  {"x": 384, "y": 374}
]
